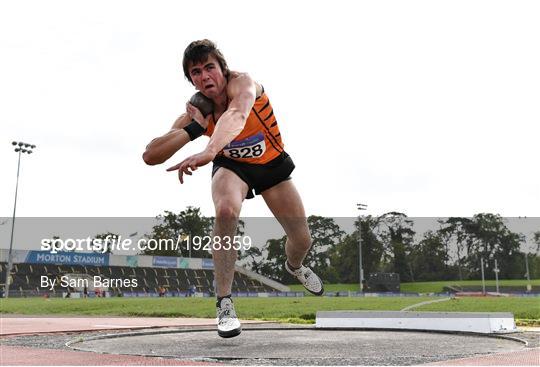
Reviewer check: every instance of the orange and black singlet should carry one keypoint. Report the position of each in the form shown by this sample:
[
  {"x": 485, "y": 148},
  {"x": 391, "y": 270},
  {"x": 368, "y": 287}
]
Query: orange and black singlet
[{"x": 260, "y": 140}]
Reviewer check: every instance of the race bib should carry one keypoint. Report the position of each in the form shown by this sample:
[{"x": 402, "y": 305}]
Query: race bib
[{"x": 250, "y": 147}]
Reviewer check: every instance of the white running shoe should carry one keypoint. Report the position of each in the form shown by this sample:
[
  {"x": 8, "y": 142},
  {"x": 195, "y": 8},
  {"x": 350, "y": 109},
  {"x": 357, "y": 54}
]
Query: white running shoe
[
  {"x": 308, "y": 278},
  {"x": 227, "y": 322}
]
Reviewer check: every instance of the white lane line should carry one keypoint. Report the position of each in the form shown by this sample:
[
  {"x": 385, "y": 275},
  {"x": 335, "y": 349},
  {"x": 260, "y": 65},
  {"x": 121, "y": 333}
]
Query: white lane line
[{"x": 425, "y": 303}]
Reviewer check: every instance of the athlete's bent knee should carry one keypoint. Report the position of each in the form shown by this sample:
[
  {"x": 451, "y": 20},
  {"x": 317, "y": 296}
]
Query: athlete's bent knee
[
  {"x": 301, "y": 242},
  {"x": 225, "y": 209}
]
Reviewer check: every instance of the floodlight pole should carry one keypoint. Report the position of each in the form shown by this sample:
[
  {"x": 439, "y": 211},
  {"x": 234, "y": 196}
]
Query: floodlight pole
[
  {"x": 360, "y": 268},
  {"x": 20, "y": 148}
]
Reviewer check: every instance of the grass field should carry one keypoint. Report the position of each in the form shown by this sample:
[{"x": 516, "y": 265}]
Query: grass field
[
  {"x": 428, "y": 287},
  {"x": 298, "y": 310}
]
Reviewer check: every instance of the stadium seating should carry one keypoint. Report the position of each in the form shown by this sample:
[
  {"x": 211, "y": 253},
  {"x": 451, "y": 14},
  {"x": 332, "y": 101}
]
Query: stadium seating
[{"x": 26, "y": 279}]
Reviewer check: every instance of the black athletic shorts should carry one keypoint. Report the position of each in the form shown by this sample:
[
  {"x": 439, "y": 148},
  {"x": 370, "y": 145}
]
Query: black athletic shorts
[{"x": 258, "y": 177}]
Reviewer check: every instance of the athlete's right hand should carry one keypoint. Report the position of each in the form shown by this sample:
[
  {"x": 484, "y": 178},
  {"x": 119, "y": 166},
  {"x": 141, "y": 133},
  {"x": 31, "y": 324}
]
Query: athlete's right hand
[
  {"x": 196, "y": 115},
  {"x": 191, "y": 163}
]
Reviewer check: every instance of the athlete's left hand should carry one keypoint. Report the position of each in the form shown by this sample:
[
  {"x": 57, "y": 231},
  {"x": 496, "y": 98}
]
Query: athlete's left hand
[{"x": 191, "y": 164}]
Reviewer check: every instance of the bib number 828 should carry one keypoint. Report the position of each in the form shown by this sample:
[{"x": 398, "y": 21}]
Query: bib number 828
[{"x": 246, "y": 152}]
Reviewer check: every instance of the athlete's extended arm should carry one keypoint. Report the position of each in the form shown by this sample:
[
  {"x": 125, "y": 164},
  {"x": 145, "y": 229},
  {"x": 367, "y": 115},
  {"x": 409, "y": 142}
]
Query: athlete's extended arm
[
  {"x": 162, "y": 148},
  {"x": 242, "y": 90}
]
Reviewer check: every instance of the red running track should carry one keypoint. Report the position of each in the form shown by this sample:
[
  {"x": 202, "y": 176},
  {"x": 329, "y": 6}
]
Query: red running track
[{"x": 25, "y": 356}]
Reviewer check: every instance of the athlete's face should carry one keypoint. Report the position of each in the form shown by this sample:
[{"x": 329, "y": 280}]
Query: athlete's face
[{"x": 208, "y": 77}]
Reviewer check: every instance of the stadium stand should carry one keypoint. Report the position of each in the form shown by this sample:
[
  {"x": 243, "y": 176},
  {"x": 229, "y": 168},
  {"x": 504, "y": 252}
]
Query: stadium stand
[{"x": 26, "y": 278}]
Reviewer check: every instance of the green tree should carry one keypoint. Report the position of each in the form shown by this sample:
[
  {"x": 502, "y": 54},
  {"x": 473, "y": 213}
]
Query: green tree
[
  {"x": 459, "y": 233},
  {"x": 344, "y": 256},
  {"x": 429, "y": 258},
  {"x": 252, "y": 257},
  {"x": 395, "y": 231},
  {"x": 180, "y": 228},
  {"x": 485, "y": 236},
  {"x": 325, "y": 235},
  {"x": 344, "y": 259},
  {"x": 269, "y": 260},
  {"x": 272, "y": 260},
  {"x": 534, "y": 264},
  {"x": 106, "y": 239},
  {"x": 536, "y": 239},
  {"x": 494, "y": 241}
]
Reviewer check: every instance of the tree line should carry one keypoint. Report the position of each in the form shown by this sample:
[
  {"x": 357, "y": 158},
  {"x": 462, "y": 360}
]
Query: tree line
[{"x": 389, "y": 244}]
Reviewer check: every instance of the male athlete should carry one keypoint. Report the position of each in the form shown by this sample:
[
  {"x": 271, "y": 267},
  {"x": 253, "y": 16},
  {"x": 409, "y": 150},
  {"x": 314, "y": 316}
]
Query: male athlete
[{"x": 248, "y": 155}]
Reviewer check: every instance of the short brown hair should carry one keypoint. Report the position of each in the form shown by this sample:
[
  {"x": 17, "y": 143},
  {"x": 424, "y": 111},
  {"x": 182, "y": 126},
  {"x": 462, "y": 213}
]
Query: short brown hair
[{"x": 198, "y": 52}]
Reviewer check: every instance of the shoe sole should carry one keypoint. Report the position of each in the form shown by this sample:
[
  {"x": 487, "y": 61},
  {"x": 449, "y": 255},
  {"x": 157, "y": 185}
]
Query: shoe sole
[
  {"x": 230, "y": 333},
  {"x": 314, "y": 293},
  {"x": 318, "y": 293}
]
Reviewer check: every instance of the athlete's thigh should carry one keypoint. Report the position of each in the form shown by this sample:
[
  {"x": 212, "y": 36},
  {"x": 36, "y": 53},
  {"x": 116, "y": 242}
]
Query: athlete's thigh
[
  {"x": 227, "y": 186},
  {"x": 285, "y": 203}
]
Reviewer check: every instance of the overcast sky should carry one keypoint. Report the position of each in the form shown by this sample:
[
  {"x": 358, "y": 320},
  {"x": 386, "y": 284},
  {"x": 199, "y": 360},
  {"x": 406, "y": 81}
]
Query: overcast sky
[{"x": 426, "y": 107}]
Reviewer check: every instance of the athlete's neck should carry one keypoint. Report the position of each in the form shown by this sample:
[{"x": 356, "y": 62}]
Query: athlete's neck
[{"x": 221, "y": 102}]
